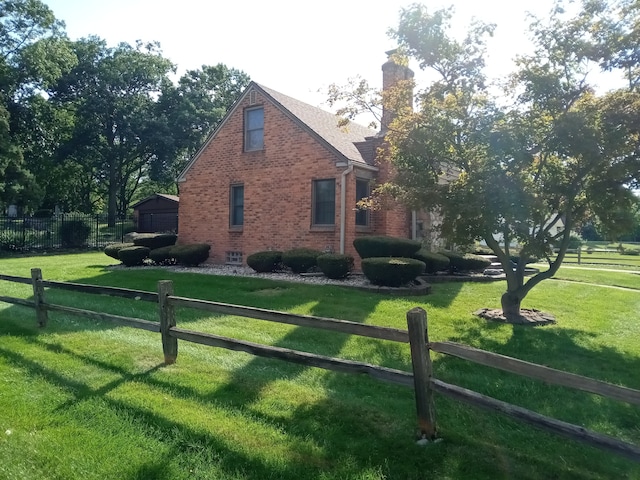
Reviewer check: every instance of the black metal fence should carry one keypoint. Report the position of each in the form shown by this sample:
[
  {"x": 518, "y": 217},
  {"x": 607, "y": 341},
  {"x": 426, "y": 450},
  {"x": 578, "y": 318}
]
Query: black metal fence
[{"x": 60, "y": 231}]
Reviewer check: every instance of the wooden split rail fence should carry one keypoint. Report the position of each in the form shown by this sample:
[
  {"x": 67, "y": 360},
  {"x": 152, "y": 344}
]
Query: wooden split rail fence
[{"x": 421, "y": 379}]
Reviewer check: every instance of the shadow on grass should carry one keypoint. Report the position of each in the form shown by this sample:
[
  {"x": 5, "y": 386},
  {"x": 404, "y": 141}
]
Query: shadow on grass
[
  {"x": 562, "y": 349},
  {"x": 358, "y": 425}
]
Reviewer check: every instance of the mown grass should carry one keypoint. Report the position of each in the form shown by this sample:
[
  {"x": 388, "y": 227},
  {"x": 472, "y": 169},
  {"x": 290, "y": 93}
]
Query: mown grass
[
  {"x": 625, "y": 279},
  {"x": 85, "y": 400}
]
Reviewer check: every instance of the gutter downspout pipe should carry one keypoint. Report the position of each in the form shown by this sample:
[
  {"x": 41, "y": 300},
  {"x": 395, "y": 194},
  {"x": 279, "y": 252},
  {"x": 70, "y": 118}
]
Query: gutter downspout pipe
[
  {"x": 414, "y": 225},
  {"x": 343, "y": 204}
]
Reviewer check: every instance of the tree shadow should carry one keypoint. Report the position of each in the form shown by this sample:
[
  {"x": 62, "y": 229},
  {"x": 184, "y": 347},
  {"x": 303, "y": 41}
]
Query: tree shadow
[{"x": 563, "y": 349}]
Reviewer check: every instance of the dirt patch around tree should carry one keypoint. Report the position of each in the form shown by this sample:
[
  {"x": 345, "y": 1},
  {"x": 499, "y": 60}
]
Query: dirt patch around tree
[{"x": 531, "y": 317}]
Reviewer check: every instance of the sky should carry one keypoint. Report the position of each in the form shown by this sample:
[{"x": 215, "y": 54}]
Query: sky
[{"x": 298, "y": 47}]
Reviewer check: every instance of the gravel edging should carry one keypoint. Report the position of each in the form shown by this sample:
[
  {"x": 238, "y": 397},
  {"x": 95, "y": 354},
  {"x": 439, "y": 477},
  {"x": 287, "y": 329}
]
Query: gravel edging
[{"x": 356, "y": 280}]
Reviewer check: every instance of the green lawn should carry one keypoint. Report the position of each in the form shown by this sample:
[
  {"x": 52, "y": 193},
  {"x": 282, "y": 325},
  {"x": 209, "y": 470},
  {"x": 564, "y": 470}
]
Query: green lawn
[{"x": 85, "y": 400}]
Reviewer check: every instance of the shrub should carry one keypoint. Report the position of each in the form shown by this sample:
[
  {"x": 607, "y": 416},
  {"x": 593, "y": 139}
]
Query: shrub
[
  {"x": 191, "y": 255},
  {"x": 481, "y": 250},
  {"x": 434, "y": 262},
  {"x": 133, "y": 256},
  {"x": 43, "y": 213},
  {"x": 300, "y": 260},
  {"x": 575, "y": 242},
  {"x": 128, "y": 227},
  {"x": 112, "y": 249},
  {"x": 630, "y": 252},
  {"x": 74, "y": 233},
  {"x": 465, "y": 262},
  {"x": 383, "y": 246},
  {"x": 335, "y": 265},
  {"x": 163, "y": 255},
  {"x": 266, "y": 261},
  {"x": 391, "y": 272},
  {"x": 155, "y": 240},
  {"x": 516, "y": 259}
]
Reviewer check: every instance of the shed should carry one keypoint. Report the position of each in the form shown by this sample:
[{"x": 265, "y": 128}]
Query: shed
[{"x": 156, "y": 213}]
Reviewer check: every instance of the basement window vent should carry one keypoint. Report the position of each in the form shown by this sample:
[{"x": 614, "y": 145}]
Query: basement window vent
[
  {"x": 234, "y": 258},
  {"x": 253, "y": 97}
]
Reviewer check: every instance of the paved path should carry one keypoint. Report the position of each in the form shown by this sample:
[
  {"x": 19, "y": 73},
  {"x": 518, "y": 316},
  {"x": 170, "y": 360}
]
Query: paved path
[
  {"x": 637, "y": 272},
  {"x": 627, "y": 289}
]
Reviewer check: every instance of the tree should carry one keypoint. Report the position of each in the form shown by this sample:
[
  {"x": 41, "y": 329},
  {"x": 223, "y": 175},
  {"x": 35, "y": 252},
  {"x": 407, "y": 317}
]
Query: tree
[
  {"x": 112, "y": 93},
  {"x": 188, "y": 112},
  {"x": 33, "y": 53},
  {"x": 521, "y": 158},
  {"x": 131, "y": 124}
]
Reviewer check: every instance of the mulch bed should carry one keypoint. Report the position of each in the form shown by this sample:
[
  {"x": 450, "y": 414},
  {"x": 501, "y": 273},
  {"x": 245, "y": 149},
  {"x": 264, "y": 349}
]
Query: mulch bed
[{"x": 530, "y": 317}]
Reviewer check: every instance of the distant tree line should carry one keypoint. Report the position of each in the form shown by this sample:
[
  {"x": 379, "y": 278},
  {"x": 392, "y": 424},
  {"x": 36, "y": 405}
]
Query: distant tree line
[{"x": 90, "y": 127}]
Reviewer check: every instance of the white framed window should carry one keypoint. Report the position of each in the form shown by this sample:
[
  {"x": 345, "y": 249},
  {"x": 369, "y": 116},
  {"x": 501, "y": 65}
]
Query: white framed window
[
  {"x": 236, "y": 206},
  {"x": 324, "y": 202},
  {"x": 363, "y": 190},
  {"x": 253, "y": 129}
]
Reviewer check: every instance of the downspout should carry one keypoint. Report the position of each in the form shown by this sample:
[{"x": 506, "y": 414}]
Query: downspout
[
  {"x": 414, "y": 225},
  {"x": 343, "y": 204}
]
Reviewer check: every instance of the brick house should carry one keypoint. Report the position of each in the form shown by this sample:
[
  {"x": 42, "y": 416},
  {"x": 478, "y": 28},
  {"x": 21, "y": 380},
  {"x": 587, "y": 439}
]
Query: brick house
[{"x": 279, "y": 174}]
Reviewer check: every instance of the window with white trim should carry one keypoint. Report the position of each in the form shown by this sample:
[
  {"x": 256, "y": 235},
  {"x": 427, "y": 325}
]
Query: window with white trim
[
  {"x": 236, "y": 206},
  {"x": 363, "y": 190},
  {"x": 253, "y": 129},
  {"x": 324, "y": 202}
]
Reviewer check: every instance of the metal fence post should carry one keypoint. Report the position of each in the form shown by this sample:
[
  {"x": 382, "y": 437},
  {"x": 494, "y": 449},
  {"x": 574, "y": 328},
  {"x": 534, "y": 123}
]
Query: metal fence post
[{"x": 422, "y": 370}]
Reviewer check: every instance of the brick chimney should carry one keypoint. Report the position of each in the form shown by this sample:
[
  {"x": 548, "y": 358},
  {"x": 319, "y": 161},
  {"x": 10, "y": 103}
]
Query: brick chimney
[{"x": 392, "y": 73}]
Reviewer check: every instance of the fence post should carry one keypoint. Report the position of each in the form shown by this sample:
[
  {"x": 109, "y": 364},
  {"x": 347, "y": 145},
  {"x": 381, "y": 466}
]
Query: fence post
[
  {"x": 38, "y": 297},
  {"x": 579, "y": 253},
  {"x": 422, "y": 370},
  {"x": 167, "y": 320}
]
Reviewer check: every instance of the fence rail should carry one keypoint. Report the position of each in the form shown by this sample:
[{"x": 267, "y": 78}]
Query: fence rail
[{"x": 421, "y": 378}]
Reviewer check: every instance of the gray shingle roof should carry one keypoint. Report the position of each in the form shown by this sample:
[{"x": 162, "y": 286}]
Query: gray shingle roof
[{"x": 325, "y": 125}]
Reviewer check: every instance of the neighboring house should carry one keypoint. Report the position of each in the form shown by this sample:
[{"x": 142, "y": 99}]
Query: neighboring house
[
  {"x": 156, "y": 213},
  {"x": 279, "y": 174}
]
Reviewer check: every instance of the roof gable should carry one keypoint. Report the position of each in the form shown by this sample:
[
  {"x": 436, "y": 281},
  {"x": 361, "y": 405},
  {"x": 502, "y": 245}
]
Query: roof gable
[
  {"x": 166, "y": 196},
  {"x": 321, "y": 124}
]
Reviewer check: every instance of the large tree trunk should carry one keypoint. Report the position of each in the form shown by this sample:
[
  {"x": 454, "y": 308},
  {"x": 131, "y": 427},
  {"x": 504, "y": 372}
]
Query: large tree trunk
[
  {"x": 511, "y": 305},
  {"x": 112, "y": 202}
]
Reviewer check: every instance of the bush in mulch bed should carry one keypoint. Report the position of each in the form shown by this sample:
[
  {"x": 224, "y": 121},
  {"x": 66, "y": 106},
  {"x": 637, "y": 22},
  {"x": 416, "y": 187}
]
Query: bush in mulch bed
[
  {"x": 112, "y": 249},
  {"x": 391, "y": 271},
  {"x": 133, "y": 256},
  {"x": 265, "y": 261},
  {"x": 335, "y": 265},
  {"x": 301, "y": 260}
]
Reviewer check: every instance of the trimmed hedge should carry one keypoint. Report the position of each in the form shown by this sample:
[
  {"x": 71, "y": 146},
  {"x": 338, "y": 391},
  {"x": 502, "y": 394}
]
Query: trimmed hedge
[
  {"x": 163, "y": 255},
  {"x": 155, "y": 240},
  {"x": 465, "y": 262},
  {"x": 391, "y": 272},
  {"x": 384, "y": 246},
  {"x": 435, "y": 262},
  {"x": 335, "y": 265},
  {"x": 265, "y": 261},
  {"x": 133, "y": 256},
  {"x": 301, "y": 260},
  {"x": 112, "y": 249},
  {"x": 191, "y": 255}
]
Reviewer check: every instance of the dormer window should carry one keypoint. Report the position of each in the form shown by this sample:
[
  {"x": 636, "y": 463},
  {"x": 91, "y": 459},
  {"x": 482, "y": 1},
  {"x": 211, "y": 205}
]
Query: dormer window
[{"x": 253, "y": 129}]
